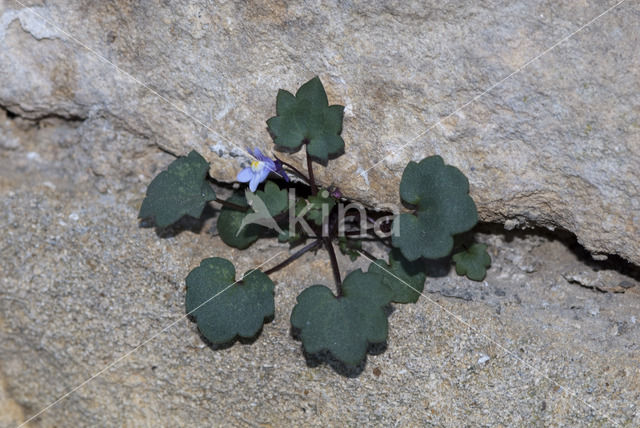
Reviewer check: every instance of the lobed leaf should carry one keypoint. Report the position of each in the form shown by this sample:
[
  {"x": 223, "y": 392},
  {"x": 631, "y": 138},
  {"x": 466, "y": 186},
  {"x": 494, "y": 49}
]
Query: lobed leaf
[
  {"x": 307, "y": 118},
  {"x": 350, "y": 247},
  {"x": 344, "y": 325},
  {"x": 224, "y": 308},
  {"x": 313, "y": 208},
  {"x": 180, "y": 190},
  {"x": 275, "y": 199},
  {"x": 231, "y": 228},
  {"x": 264, "y": 206},
  {"x": 473, "y": 262},
  {"x": 291, "y": 238},
  {"x": 444, "y": 208},
  {"x": 404, "y": 278}
]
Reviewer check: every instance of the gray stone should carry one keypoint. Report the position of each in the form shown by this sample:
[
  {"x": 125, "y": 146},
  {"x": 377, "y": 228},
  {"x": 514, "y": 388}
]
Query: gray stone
[
  {"x": 81, "y": 284},
  {"x": 604, "y": 280}
]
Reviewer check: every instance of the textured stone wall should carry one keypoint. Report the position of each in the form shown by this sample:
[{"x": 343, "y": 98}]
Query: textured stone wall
[{"x": 557, "y": 144}]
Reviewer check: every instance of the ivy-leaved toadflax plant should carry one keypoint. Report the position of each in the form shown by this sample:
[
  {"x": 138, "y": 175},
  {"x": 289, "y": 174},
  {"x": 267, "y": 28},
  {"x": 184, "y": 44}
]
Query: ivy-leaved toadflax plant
[{"x": 347, "y": 319}]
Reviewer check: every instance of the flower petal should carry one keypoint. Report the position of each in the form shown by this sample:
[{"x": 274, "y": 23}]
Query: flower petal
[
  {"x": 245, "y": 175},
  {"x": 262, "y": 175},
  {"x": 258, "y": 155},
  {"x": 255, "y": 180},
  {"x": 280, "y": 170},
  {"x": 269, "y": 165}
]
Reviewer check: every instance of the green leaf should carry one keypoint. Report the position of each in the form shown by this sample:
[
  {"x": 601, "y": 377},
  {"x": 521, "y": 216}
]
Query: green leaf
[
  {"x": 230, "y": 227},
  {"x": 473, "y": 262},
  {"x": 264, "y": 206},
  {"x": 345, "y": 325},
  {"x": 308, "y": 118},
  {"x": 312, "y": 209},
  {"x": 275, "y": 199},
  {"x": 291, "y": 238},
  {"x": 405, "y": 279},
  {"x": 444, "y": 209},
  {"x": 349, "y": 247},
  {"x": 180, "y": 190},
  {"x": 224, "y": 308}
]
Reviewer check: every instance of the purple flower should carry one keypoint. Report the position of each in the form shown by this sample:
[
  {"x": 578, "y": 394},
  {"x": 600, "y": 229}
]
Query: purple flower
[{"x": 259, "y": 170}]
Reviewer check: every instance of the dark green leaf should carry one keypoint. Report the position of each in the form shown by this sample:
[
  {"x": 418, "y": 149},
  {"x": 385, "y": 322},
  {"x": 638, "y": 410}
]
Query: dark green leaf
[
  {"x": 404, "y": 278},
  {"x": 275, "y": 199},
  {"x": 349, "y": 247},
  {"x": 313, "y": 209},
  {"x": 180, "y": 190},
  {"x": 473, "y": 262},
  {"x": 265, "y": 205},
  {"x": 230, "y": 227},
  {"x": 444, "y": 209},
  {"x": 308, "y": 118},
  {"x": 286, "y": 236},
  {"x": 294, "y": 236},
  {"x": 345, "y": 325},
  {"x": 291, "y": 238},
  {"x": 224, "y": 308}
]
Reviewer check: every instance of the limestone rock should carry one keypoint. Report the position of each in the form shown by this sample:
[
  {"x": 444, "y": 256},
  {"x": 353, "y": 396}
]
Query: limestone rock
[
  {"x": 82, "y": 286},
  {"x": 606, "y": 280},
  {"x": 556, "y": 144}
]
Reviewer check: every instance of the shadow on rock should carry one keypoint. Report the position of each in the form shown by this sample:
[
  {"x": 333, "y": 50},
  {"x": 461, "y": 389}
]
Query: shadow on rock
[
  {"x": 437, "y": 268},
  {"x": 226, "y": 345},
  {"x": 570, "y": 241},
  {"x": 185, "y": 224},
  {"x": 325, "y": 357}
]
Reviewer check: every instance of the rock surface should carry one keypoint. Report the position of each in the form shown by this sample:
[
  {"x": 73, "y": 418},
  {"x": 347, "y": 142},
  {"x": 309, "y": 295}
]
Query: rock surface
[
  {"x": 82, "y": 286},
  {"x": 556, "y": 144}
]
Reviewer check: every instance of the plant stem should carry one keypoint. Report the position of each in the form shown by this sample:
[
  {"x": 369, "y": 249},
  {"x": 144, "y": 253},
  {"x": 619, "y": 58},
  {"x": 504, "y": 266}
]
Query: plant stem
[
  {"x": 294, "y": 169},
  {"x": 334, "y": 264},
  {"x": 312, "y": 181},
  {"x": 231, "y": 205},
  {"x": 367, "y": 254},
  {"x": 294, "y": 256},
  {"x": 368, "y": 235}
]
